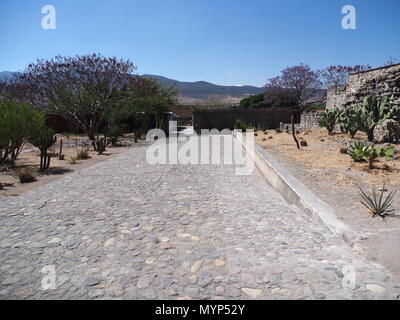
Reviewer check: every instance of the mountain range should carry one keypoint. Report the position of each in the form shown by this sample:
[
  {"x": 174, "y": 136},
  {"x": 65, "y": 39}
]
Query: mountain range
[
  {"x": 197, "y": 92},
  {"x": 204, "y": 90},
  {"x": 190, "y": 91}
]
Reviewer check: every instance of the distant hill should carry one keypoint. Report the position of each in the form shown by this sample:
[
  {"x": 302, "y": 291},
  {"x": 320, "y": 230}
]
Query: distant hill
[
  {"x": 203, "y": 90},
  {"x": 6, "y": 76},
  {"x": 195, "y": 92}
]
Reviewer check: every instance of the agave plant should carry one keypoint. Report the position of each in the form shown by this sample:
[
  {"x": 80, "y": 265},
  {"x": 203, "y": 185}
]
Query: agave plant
[
  {"x": 329, "y": 119},
  {"x": 376, "y": 203},
  {"x": 361, "y": 151},
  {"x": 374, "y": 111}
]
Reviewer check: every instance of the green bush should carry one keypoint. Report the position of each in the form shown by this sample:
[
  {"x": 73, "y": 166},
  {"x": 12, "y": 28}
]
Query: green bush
[
  {"x": 329, "y": 119},
  {"x": 240, "y": 124},
  {"x": 18, "y": 123},
  {"x": 113, "y": 134},
  {"x": 254, "y": 101},
  {"x": 361, "y": 151}
]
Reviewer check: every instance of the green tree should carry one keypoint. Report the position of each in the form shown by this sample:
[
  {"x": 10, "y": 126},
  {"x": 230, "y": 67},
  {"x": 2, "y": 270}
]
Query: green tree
[
  {"x": 18, "y": 123},
  {"x": 142, "y": 106},
  {"x": 254, "y": 101}
]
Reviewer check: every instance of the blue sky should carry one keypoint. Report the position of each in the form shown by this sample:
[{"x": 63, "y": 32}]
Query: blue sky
[{"x": 224, "y": 42}]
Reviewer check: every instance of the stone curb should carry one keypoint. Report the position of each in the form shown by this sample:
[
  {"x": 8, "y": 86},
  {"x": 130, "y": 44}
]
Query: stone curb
[{"x": 295, "y": 192}]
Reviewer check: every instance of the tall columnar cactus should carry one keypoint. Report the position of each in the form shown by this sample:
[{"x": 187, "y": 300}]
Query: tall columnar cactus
[
  {"x": 60, "y": 155},
  {"x": 44, "y": 141},
  {"x": 374, "y": 111},
  {"x": 100, "y": 145}
]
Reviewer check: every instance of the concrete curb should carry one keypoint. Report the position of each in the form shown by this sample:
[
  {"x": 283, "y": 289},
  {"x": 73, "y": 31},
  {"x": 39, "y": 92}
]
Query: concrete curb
[{"x": 296, "y": 192}]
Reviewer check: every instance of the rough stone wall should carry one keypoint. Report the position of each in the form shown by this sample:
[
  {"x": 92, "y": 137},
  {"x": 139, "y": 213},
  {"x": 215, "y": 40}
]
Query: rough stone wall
[
  {"x": 383, "y": 81},
  {"x": 308, "y": 121}
]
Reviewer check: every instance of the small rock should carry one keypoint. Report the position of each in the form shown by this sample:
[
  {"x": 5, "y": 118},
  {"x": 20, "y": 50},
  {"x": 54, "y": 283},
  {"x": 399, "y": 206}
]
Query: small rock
[
  {"x": 275, "y": 270},
  {"x": 55, "y": 240},
  {"x": 92, "y": 282},
  {"x": 196, "y": 266},
  {"x": 23, "y": 294},
  {"x": 166, "y": 246},
  {"x": 205, "y": 280},
  {"x": 97, "y": 293},
  {"x": 118, "y": 293},
  {"x": 109, "y": 242},
  {"x": 172, "y": 292},
  {"x": 253, "y": 293},
  {"x": 219, "y": 291},
  {"x": 166, "y": 282},
  {"x": 144, "y": 282},
  {"x": 375, "y": 288},
  {"x": 219, "y": 263}
]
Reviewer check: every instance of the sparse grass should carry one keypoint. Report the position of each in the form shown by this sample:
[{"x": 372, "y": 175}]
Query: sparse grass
[
  {"x": 73, "y": 160},
  {"x": 83, "y": 154},
  {"x": 26, "y": 175}
]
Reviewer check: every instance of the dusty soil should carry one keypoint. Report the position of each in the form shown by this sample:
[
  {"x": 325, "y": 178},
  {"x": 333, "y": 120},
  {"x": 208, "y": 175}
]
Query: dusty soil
[
  {"x": 336, "y": 178},
  {"x": 29, "y": 157}
]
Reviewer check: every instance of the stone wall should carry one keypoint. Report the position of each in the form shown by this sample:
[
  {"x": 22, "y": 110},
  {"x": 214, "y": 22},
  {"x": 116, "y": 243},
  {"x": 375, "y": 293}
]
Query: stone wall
[
  {"x": 308, "y": 121},
  {"x": 268, "y": 118},
  {"x": 383, "y": 81}
]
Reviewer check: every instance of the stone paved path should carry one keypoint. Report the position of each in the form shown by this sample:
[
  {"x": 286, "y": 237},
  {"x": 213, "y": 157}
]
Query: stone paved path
[{"x": 127, "y": 230}]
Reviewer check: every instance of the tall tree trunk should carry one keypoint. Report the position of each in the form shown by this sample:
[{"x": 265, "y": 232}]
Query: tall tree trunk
[
  {"x": 91, "y": 133},
  {"x": 294, "y": 133}
]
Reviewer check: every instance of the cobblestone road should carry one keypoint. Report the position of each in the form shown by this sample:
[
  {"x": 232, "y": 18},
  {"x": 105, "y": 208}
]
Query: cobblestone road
[{"x": 124, "y": 229}]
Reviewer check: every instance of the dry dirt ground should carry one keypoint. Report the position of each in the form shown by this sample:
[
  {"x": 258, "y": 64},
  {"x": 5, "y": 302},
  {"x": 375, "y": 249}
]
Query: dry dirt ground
[
  {"x": 335, "y": 178},
  {"x": 29, "y": 157}
]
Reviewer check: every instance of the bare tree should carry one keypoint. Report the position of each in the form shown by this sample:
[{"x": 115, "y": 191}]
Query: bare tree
[
  {"x": 391, "y": 61},
  {"x": 338, "y": 75},
  {"x": 79, "y": 88}
]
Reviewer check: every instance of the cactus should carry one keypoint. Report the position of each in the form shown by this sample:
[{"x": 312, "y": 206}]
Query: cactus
[
  {"x": 350, "y": 120},
  {"x": 44, "y": 141},
  {"x": 329, "y": 119},
  {"x": 374, "y": 111},
  {"x": 361, "y": 151},
  {"x": 60, "y": 155},
  {"x": 100, "y": 145},
  {"x": 395, "y": 113}
]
